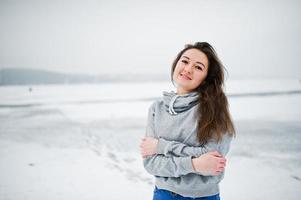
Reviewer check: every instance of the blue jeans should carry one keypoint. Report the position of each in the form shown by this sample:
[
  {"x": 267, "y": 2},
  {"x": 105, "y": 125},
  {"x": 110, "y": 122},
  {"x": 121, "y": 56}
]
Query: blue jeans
[{"x": 160, "y": 194}]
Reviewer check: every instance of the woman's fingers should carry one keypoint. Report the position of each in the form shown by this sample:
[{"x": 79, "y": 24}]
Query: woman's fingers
[
  {"x": 222, "y": 163},
  {"x": 147, "y": 138},
  {"x": 143, "y": 150},
  {"x": 143, "y": 153},
  {"x": 219, "y": 170},
  {"x": 148, "y": 146},
  {"x": 222, "y": 160},
  {"x": 142, "y": 142},
  {"x": 216, "y": 153}
]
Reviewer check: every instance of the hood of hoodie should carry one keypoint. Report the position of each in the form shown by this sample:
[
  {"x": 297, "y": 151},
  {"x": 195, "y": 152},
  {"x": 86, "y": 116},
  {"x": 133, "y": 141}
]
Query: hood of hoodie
[{"x": 175, "y": 103}]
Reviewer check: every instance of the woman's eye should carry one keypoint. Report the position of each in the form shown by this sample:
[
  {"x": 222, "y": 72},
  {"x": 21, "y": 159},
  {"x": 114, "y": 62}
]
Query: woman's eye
[
  {"x": 184, "y": 61},
  {"x": 198, "y": 67}
]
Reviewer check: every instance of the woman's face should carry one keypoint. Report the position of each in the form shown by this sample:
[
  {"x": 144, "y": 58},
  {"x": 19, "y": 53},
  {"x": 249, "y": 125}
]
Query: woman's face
[{"x": 191, "y": 70}]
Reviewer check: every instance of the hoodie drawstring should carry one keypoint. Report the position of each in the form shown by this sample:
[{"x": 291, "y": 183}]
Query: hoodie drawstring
[{"x": 170, "y": 108}]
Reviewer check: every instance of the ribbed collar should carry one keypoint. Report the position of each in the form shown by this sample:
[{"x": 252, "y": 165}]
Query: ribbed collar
[{"x": 175, "y": 103}]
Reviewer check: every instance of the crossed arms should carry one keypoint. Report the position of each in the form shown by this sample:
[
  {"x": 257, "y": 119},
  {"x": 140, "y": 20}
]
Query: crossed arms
[{"x": 167, "y": 158}]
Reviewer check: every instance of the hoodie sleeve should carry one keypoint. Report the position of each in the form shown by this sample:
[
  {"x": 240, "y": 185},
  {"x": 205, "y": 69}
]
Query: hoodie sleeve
[
  {"x": 175, "y": 148},
  {"x": 161, "y": 165}
]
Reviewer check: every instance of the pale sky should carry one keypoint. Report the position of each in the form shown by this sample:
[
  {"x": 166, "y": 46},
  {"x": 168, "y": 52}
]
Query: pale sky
[{"x": 254, "y": 38}]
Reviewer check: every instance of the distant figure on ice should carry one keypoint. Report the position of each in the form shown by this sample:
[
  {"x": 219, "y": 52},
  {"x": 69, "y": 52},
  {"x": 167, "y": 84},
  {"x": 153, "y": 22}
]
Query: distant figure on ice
[
  {"x": 189, "y": 131},
  {"x": 30, "y": 89}
]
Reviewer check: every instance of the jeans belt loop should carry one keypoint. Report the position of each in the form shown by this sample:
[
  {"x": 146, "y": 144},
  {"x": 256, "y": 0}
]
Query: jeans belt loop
[{"x": 173, "y": 194}]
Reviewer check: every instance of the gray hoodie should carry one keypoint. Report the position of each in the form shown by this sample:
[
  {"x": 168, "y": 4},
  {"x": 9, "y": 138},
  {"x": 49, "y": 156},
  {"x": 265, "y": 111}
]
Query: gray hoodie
[{"x": 173, "y": 120}]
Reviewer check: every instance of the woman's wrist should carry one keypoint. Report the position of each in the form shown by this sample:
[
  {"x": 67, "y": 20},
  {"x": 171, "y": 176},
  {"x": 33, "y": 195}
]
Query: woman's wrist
[{"x": 193, "y": 164}]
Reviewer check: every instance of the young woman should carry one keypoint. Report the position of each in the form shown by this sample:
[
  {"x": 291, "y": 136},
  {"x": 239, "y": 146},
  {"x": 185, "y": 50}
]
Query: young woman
[{"x": 189, "y": 131}]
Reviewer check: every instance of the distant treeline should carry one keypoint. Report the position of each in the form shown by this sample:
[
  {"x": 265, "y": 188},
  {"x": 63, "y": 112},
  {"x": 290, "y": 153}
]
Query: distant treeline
[{"x": 21, "y": 76}]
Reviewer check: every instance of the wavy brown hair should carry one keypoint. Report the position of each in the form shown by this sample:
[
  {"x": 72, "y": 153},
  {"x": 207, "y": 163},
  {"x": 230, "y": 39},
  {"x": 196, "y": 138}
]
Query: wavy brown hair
[{"x": 214, "y": 118}]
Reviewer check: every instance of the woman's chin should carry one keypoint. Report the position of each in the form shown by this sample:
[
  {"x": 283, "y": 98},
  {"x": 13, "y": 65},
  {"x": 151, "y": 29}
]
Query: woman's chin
[
  {"x": 183, "y": 89},
  {"x": 183, "y": 82}
]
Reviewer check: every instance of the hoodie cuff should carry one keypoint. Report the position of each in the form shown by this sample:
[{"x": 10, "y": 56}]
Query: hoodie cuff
[
  {"x": 187, "y": 164},
  {"x": 162, "y": 146}
]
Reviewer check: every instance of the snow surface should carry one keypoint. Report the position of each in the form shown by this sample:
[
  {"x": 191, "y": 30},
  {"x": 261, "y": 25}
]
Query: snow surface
[{"x": 82, "y": 141}]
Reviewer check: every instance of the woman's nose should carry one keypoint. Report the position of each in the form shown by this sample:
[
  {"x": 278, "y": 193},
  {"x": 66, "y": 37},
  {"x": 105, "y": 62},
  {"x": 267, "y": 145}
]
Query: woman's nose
[{"x": 188, "y": 68}]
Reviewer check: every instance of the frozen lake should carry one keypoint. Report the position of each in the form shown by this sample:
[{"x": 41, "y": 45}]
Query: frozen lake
[{"x": 82, "y": 141}]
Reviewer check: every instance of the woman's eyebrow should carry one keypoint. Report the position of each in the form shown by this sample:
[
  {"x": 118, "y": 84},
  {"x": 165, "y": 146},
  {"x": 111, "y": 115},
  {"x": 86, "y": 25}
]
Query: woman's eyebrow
[{"x": 196, "y": 62}]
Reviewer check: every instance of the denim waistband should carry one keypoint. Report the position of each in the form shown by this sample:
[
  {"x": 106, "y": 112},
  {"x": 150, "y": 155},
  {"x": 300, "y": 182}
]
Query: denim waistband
[{"x": 172, "y": 195}]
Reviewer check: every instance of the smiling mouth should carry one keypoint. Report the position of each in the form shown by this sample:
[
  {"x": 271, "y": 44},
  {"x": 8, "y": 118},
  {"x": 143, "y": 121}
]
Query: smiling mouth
[{"x": 185, "y": 76}]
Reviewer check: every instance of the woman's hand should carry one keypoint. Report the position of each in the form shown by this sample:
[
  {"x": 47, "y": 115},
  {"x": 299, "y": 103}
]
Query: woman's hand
[
  {"x": 211, "y": 163},
  {"x": 148, "y": 146}
]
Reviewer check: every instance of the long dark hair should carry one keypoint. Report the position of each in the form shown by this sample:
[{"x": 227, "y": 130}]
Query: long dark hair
[{"x": 214, "y": 118}]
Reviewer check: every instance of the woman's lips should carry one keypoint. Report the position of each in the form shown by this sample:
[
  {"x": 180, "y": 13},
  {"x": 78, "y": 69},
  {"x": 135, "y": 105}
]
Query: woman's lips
[{"x": 185, "y": 76}]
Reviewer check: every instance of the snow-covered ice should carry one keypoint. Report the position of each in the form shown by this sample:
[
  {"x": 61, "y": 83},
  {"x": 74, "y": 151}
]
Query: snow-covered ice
[{"x": 82, "y": 141}]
